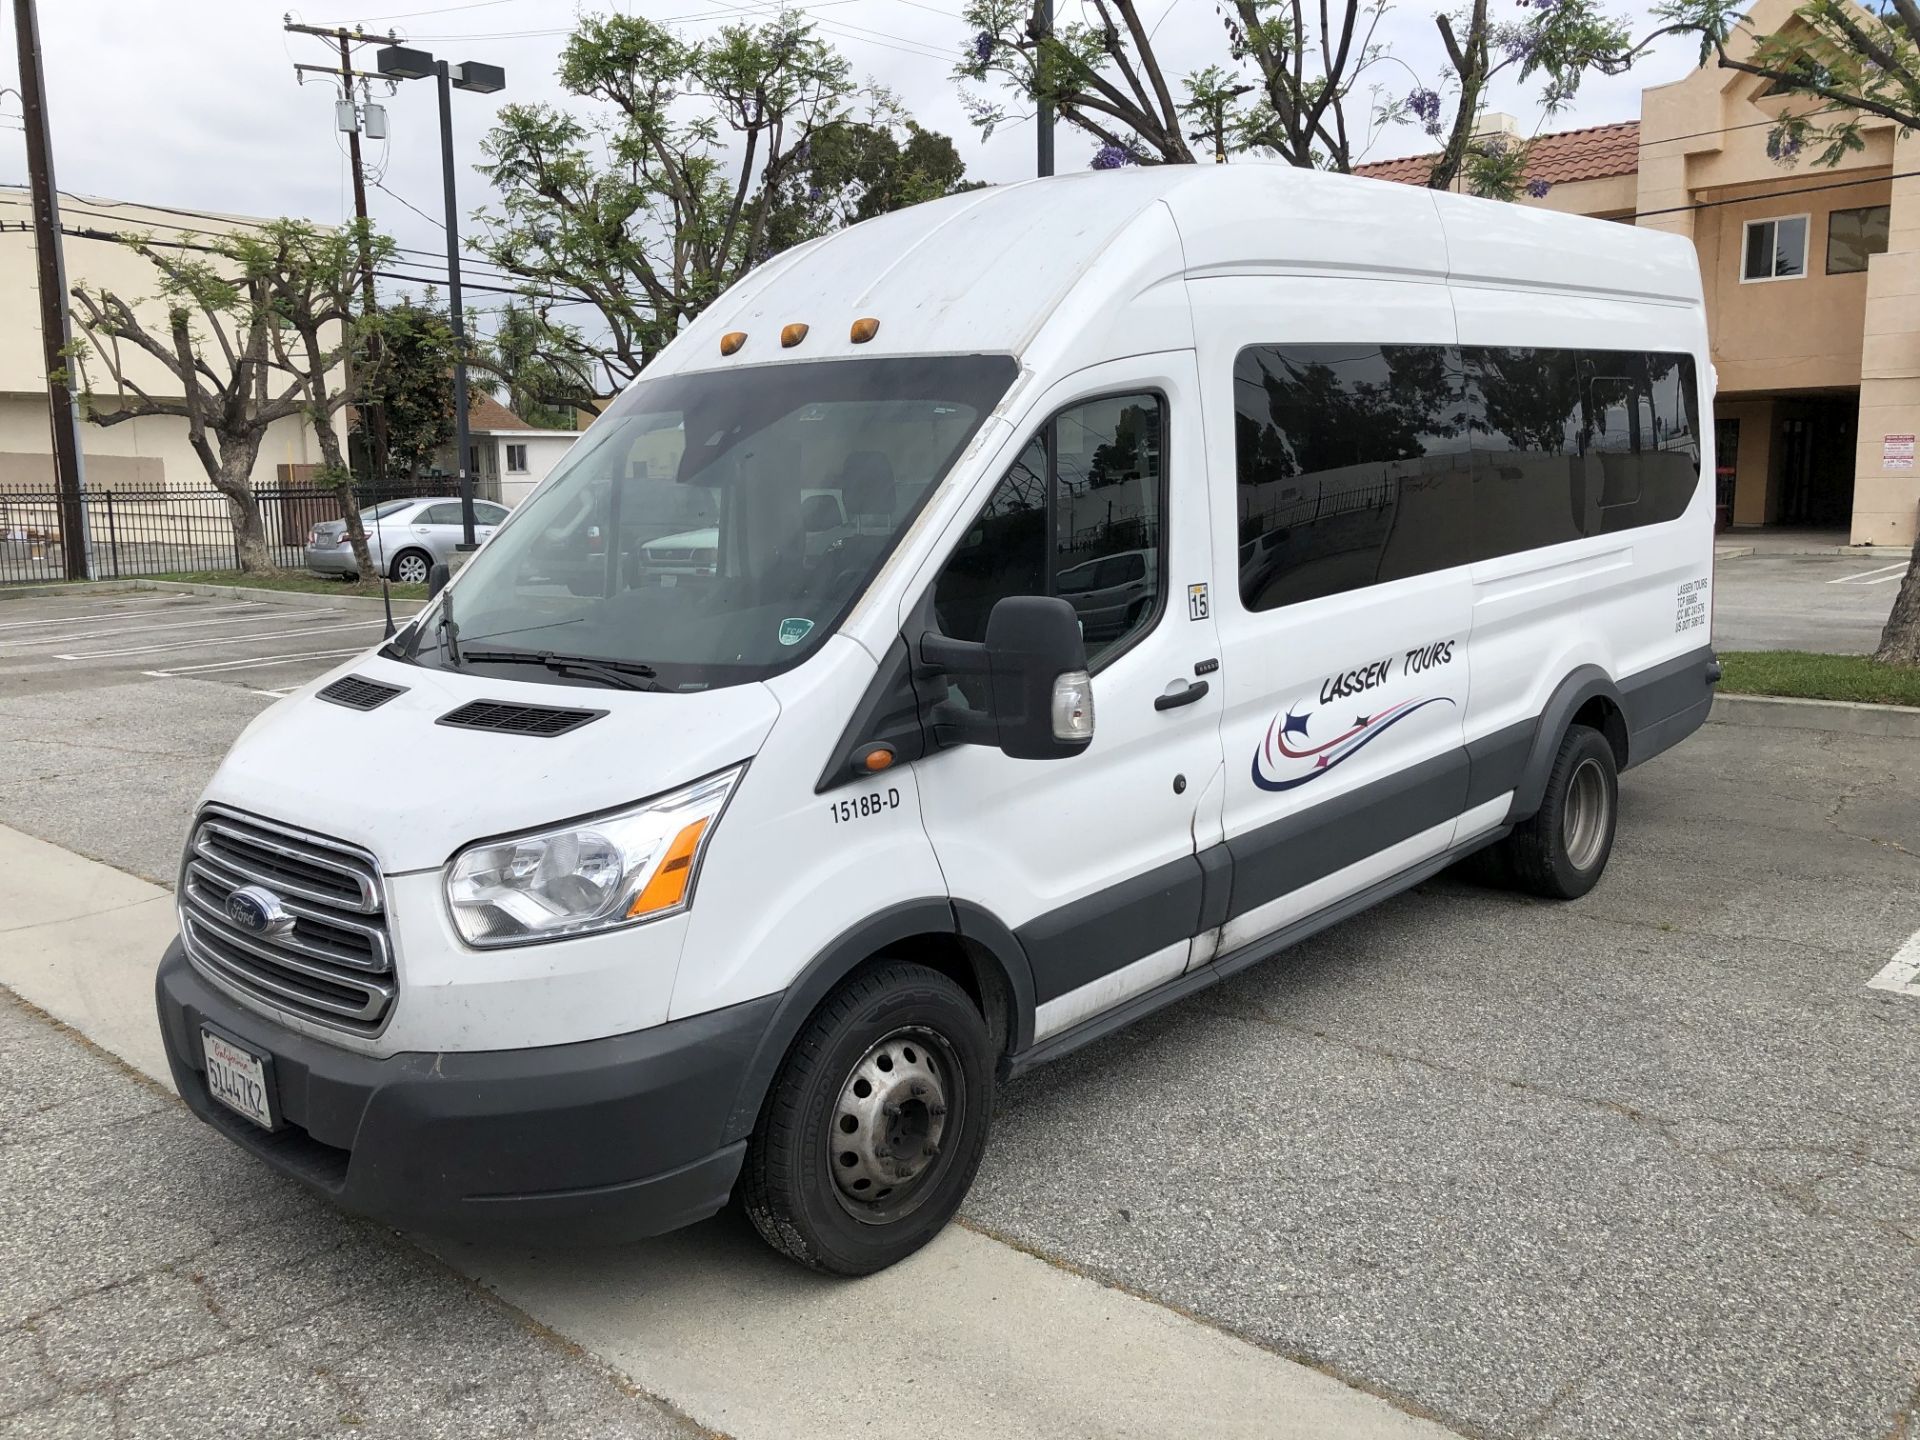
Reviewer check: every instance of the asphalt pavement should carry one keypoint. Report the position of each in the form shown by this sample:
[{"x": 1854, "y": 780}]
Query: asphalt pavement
[
  {"x": 1831, "y": 603},
  {"x": 1646, "y": 1164}
]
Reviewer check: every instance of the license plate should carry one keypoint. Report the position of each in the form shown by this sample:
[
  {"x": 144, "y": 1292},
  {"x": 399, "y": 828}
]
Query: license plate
[
  {"x": 237, "y": 1078},
  {"x": 667, "y": 582}
]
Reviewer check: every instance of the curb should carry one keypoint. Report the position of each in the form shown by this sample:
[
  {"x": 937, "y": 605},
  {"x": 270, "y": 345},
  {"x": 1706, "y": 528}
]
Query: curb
[
  {"x": 297, "y": 598},
  {"x": 1732, "y": 552},
  {"x": 1844, "y": 717}
]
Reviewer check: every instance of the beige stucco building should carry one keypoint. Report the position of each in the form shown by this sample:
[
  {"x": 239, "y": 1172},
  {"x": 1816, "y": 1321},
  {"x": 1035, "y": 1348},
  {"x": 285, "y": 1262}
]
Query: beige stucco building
[
  {"x": 1812, "y": 280},
  {"x": 135, "y": 457}
]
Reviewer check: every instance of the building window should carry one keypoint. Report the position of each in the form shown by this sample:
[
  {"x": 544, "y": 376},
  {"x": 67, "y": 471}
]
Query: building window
[
  {"x": 1853, "y": 235},
  {"x": 1775, "y": 249},
  {"x": 516, "y": 459}
]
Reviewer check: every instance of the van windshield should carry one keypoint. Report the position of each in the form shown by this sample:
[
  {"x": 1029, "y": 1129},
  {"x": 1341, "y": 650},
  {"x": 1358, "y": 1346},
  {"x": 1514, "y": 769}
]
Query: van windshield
[{"x": 715, "y": 528}]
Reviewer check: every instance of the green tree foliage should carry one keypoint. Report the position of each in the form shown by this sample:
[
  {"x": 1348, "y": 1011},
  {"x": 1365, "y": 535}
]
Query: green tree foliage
[
  {"x": 658, "y": 193},
  {"x": 1288, "y": 80},
  {"x": 414, "y": 382},
  {"x": 856, "y": 170},
  {"x": 519, "y": 366},
  {"x": 249, "y": 330}
]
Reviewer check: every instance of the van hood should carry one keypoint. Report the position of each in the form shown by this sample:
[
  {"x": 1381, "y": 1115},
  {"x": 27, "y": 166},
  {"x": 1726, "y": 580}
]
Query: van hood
[{"x": 412, "y": 791}]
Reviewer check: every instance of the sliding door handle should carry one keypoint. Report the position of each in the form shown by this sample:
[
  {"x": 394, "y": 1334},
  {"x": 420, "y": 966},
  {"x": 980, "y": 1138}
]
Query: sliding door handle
[{"x": 1174, "y": 699}]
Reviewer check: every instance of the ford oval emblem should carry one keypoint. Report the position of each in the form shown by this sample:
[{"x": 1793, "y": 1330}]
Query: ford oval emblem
[{"x": 258, "y": 911}]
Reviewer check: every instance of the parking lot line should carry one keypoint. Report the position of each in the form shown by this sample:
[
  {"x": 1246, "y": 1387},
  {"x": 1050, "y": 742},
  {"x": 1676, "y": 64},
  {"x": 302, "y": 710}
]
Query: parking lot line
[
  {"x": 97, "y": 634},
  {"x": 1902, "y": 973},
  {"x": 116, "y": 610},
  {"x": 217, "y": 666},
  {"x": 203, "y": 641},
  {"x": 1865, "y": 577}
]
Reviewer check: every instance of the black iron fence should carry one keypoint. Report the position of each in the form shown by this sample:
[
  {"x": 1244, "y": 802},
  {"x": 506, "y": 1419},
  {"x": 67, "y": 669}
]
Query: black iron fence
[{"x": 171, "y": 532}]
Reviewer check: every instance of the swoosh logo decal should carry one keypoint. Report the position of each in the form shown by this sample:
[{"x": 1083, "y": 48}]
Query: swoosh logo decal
[{"x": 1326, "y": 762}]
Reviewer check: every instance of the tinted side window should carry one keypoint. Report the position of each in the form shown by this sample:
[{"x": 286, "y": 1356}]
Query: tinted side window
[
  {"x": 1352, "y": 465},
  {"x": 439, "y": 515},
  {"x": 1077, "y": 515}
]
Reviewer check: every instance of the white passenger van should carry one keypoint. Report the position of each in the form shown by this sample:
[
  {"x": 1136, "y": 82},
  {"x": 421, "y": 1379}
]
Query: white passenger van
[{"x": 759, "y": 876}]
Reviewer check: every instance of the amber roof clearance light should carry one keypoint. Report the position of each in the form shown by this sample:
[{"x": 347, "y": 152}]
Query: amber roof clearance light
[
  {"x": 732, "y": 341},
  {"x": 865, "y": 329},
  {"x": 792, "y": 335}
]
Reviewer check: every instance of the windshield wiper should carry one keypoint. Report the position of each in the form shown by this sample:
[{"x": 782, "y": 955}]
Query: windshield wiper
[
  {"x": 448, "y": 631},
  {"x": 626, "y": 674}
]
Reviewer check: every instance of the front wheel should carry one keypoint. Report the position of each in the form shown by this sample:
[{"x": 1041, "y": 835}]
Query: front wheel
[
  {"x": 874, "y": 1128},
  {"x": 1561, "y": 851}
]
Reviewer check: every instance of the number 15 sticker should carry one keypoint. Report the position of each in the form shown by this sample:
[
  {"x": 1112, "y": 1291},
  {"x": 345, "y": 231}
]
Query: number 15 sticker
[{"x": 1197, "y": 602}]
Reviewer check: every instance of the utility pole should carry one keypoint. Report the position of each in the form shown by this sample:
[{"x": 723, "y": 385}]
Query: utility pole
[
  {"x": 375, "y": 412},
  {"x": 1043, "y": 15},
  {"x": 68, "y": 461}
]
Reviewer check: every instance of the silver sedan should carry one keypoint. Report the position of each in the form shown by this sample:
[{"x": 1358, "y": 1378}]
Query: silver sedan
[{"x": 405, "y": 538}]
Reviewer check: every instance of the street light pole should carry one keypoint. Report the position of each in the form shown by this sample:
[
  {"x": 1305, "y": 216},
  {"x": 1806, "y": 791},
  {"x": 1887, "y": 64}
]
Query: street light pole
[
  {"x": 1044, "y": 157},
  {"x": 461, "y": 440},
  {"x": 398, "y": 62}
]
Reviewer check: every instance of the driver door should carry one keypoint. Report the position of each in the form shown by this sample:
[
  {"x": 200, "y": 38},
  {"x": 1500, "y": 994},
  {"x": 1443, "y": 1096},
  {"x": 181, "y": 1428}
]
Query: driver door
[{"x": 1090, "y": 860}]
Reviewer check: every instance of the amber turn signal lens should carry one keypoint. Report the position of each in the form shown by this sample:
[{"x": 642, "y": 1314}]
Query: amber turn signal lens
[
  {"x": 877, "y": 759},
  {"x": 732, "y": 341},
  {"x": 793, "y": 335},
  {"x": 865, "y": 329},
  {"x": 668, "y": 887}
]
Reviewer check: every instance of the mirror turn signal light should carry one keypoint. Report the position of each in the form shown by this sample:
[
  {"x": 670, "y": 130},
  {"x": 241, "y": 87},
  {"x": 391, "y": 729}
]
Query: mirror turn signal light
[
  {"x": 876, "y": 759},
  {"x": 732, "y": 341},
  {"x": 865, "y": 329},
  {"x": 668, "y": 887},
  {"x": 792, "y": 335}
]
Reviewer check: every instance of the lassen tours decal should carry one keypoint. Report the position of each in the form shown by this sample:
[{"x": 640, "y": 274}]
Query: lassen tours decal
[{"x": 1308, "y": 740}]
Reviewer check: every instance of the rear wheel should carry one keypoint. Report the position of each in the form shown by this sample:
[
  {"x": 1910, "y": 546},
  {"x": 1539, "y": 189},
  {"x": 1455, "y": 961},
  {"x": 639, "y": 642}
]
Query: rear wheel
[
  {"x": 411, "y": 567},
  {"x": 876, "y": 1123},
  {"x": 1561, "y": 852}
]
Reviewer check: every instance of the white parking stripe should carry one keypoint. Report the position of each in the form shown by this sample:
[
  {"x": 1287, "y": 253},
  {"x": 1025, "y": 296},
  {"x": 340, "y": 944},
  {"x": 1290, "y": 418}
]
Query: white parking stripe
[
  {"x": 116, "y": 610},
  {"x": 1902, "y": 973},
  {"x": 1863, "y": 577},
  {"x": 201, "y": 642},
  {"x": 261, "y": 663},
  {"x": 97, "y": 634}
]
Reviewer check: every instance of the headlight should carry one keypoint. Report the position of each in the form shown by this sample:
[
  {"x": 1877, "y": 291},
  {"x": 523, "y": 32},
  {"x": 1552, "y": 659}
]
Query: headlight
[{"x": 600, "y": 874}]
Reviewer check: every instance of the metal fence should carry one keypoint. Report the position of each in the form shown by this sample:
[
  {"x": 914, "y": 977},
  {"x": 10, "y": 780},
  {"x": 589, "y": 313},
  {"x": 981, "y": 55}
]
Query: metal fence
[{"x": 170, "y": 532}]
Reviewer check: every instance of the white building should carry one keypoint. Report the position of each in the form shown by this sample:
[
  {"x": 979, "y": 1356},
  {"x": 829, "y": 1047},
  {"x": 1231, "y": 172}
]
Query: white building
[{"x": 507, "y": 456}]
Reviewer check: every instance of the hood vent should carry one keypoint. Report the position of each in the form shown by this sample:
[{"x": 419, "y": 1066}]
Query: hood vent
[
  {"x": 356, "y": 692},
  {"x": 507, "y": 717}
]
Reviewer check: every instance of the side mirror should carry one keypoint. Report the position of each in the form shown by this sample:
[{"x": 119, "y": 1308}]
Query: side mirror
[
  {"x": 437, "y": 579},
  {"x": 1040, "y": 701}
]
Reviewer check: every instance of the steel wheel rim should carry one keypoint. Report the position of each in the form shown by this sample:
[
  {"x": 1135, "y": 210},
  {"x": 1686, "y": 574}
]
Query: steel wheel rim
[
  {"x": 888, "y": 1124},
  {"x": 1583, "y": 820},
  {"x": 412, "y": 570}
]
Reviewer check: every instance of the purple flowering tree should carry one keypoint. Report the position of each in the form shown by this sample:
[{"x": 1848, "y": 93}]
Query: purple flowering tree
[{"x": 1287, "y": 82}]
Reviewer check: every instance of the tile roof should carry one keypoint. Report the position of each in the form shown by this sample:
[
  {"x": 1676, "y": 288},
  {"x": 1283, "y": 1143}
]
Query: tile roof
[
  {"x": 486, "y": 413},
  {"x": 1590, "y": 154}
]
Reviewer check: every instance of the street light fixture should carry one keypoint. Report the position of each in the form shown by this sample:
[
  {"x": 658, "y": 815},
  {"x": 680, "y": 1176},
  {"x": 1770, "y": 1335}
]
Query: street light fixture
[{"x": 399, "y": 62}]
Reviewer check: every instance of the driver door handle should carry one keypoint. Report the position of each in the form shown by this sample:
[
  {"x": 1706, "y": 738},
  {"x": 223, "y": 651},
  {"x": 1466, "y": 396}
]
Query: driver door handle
[{"x": 1173, "y": 700}]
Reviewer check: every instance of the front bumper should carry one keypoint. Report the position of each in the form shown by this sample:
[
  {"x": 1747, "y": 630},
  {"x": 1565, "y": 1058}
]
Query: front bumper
[
  {"x": 596, "y": 1142},
  {"x": 331, "y": 561}
]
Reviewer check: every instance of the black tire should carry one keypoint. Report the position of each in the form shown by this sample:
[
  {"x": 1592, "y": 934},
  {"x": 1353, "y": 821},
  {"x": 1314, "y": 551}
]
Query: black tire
[
  {"x": 426, "y": 560},
  {"x": 1561, "y": 852},
  {"x": 789, "y": 1184}
]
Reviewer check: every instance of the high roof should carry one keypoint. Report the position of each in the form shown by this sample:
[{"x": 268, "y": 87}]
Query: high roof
[
  {"x": 1595, "y": 153},
  {"x": 985, "y": 271}
]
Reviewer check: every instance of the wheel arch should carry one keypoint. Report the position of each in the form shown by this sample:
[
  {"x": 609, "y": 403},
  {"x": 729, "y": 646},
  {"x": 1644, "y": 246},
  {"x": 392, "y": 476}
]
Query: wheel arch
[
  {"x": 403, "y": 552},
  {"x": 962, "y": 941},
  {"x": 1587, "y": 696}
]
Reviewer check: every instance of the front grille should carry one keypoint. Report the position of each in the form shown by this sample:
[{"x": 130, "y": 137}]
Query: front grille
[
  {"x": 511, "y": 719},
  {"x": 356, "y": 692},
  {"x": 333, "y": 963}
]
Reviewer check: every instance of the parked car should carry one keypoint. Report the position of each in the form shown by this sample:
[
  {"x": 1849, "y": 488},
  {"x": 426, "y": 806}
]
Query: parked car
[
  {"x": 1110, "y": 594},
  {"x": 405, "y": 538}
]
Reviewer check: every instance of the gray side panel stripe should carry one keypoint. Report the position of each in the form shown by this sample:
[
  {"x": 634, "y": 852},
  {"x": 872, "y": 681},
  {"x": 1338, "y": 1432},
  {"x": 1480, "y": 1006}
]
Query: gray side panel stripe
[
  {"x": 1095, "y": 935},
  {"x": 1496, "y": 762},
  {"x": 1296, "y": 850}
]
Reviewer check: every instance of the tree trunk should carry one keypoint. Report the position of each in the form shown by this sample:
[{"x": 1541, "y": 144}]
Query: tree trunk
[
  {"x": 1900, "y": 641},
  {"x": 235, "y": 481},
  {"x": 334, "y": 464}
]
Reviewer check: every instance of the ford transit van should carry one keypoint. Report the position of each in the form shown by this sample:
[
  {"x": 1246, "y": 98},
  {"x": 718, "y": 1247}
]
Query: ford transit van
[{"x": 1090, "y": 587}]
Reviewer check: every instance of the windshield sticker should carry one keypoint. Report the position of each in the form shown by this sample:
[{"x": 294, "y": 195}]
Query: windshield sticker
[{"x": 794, "y": 630}]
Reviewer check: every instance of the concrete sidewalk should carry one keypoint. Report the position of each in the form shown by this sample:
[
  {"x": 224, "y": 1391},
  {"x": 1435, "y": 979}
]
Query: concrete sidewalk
[{"x": 973, "y": 1337}]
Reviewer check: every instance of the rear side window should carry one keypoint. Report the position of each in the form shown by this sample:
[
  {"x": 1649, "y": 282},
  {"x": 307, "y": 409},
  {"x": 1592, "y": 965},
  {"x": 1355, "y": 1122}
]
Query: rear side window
[
  {"x": 1078, "y": 515},
  {"x": 1361, "y": 464}
]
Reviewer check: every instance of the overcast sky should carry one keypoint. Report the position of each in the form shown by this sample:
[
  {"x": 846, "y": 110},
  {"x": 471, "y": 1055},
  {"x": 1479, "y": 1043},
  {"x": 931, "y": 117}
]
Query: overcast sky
[{"x": 196, "y": 105}]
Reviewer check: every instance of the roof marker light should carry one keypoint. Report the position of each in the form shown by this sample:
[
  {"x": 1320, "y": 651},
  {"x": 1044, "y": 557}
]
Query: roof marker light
[
  {"x": 865, "y": 329},
  {"x": 732, "y": 341},
  {"x": 792, "y": 335}
]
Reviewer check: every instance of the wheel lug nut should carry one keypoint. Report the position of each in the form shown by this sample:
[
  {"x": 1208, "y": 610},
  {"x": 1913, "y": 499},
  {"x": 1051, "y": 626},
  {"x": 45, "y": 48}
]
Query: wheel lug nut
[
  {"x": 938, "y": 1112},
  {"x": 890, "y": 1110},
  {"x": 919, "y": 1090}
]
